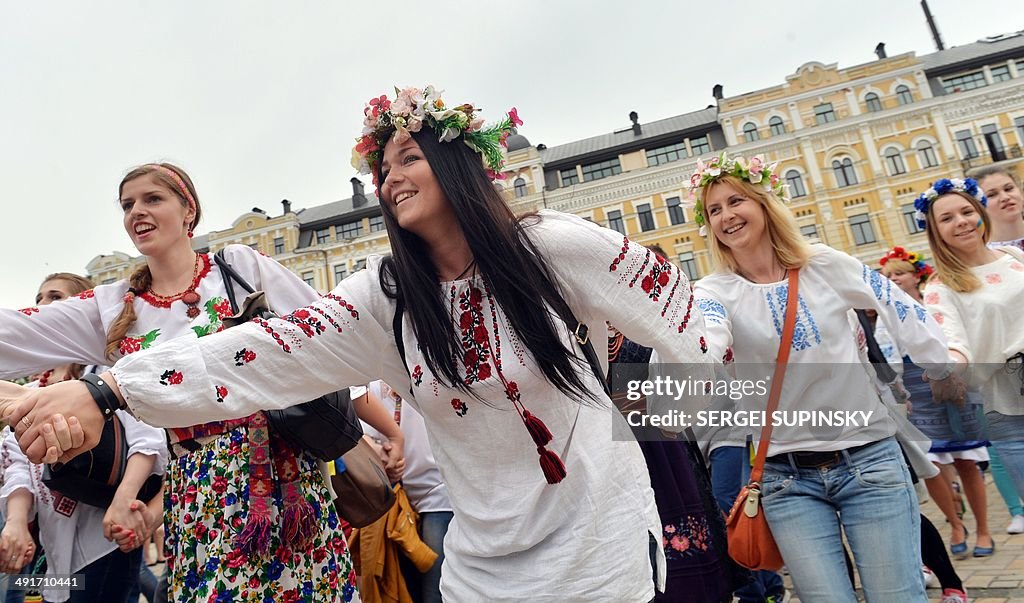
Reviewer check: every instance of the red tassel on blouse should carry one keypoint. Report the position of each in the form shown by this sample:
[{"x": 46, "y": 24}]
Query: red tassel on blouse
[
  {"x": 538, "y": 430},
  {"x": 553, "y": 467}
]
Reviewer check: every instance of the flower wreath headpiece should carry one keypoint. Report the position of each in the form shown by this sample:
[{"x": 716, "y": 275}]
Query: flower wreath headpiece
[
  {"x": 945, "y": 186},
  {"x": 754, "y": 171},
  {"x": 921, "y": 269},
  {"x": 411, "y": 109}
]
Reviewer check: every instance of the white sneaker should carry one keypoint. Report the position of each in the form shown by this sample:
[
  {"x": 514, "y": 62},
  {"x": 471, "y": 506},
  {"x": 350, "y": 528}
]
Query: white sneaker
[
  {"x": 1016, "y": 525},
  {"x": 930, "y": 579},
  {"x": 951, "y": 595}
]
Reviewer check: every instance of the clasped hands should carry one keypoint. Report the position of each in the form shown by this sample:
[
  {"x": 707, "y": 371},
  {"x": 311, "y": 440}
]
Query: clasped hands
[{"x": 52, "y": 424}]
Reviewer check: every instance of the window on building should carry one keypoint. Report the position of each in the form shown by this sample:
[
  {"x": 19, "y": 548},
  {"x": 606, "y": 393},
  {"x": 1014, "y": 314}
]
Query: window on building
[
  {"x": 863, "y": 232},
  {"x": 926, "y": 154},
  {"x": 843, "y": 170},
  {"x": 666, "y": 154},
  {"x": 1000, "y": 73},
  {"x": 750, "y": 132},
  {"x": 675, "y": 211},
  {"x": 795, "y": 182},
  {"x": 615, "y": 221},
  {"x": 360, "y": 264},
  {"x": 646, "y": 217},
  {"x": 965, "y": 142},
  {"x": 824, "y": 114},
  {"x": 603, "y": 169},
  {"x": 990, "y": 132},
  {"x": 340, "y": 272},
  {"x": 1018, "y": 122},
  {"x": 689, "y": 265},
  {"x": 777, "y": 126},
  {"x": 278, "y": 245},
  {"x": 700, "y": 145},
  {"x": 108, "y": 281},
  {"x": 569, "y": 176},
  {"x": 909, "y": 221},
  {"x": 1020, "y": 67},
  {"x": 967, "y": 81},
  {"x": 323, "y": 235},
  {"x": 810, "y": 232},
  {"x": 308, "y": 278},
  {"x": 350, "y": 230},
  {"x": 254, "y": 246},
  {"x": 520, "y": 187},
  {"x": 894, "y": 162},
  {"x": 903, "y": 95},
  {"x": 873, "y": 102},
  {"x": 377, "y": 223}
]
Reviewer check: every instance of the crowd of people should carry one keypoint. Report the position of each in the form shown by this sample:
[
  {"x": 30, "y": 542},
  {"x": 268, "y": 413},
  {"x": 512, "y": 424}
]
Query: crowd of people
[{"x": 470, "y": 354}]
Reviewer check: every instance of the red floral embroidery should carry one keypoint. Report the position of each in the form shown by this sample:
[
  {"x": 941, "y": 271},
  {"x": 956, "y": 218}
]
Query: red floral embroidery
[
  {"x": 223, "y": 309},
  {"x": 244, "y": 356},
  {"x": 307, "y": 323},
  {"x": 87, "y": 294},
  {"x": 622, "y": 255},
  {"x": 222, "y": 392},
  {"x": 417, "y": 375},
  {"x": 129, "y": 345},
  {"x": 939, "y": 318},
  {"x": 1017, "y": 266},
  {"x": 932, "y": 298},
  {"x": 728, "y": 357},
  {"x": 993, "y": 279},
  {"x": 29, "y": 311},
  {"x": 164, "y": 303},
  {"x": 171, "y": 377},
  {"x": 475, "y": 339},
  {"x": 460, "y": 407},
  {"x": 703, "y": 345}
]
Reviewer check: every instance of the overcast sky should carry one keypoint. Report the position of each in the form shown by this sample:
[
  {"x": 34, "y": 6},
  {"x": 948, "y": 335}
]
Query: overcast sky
[{"x": 260, "y": 101}]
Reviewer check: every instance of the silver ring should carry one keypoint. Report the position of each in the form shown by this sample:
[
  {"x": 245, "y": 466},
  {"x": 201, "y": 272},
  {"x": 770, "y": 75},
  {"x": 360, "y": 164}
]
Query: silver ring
[{"x": 26, "y": 421}]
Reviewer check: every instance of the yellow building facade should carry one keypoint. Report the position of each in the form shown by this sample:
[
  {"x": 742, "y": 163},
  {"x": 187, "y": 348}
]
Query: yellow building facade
[{"x": 856, "y": 145}]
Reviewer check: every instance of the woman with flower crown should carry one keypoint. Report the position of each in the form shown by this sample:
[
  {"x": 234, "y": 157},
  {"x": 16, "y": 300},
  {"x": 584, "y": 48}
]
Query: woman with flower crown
[
  {"x": 482, "y": 317},
  {"x": 247, "y": 517},
  {"x": 974, "y": 298},
  {"x": 1006, "y": 210},
  {"x": 817, "y": 484},
  {"x": 955, "y": 432}
]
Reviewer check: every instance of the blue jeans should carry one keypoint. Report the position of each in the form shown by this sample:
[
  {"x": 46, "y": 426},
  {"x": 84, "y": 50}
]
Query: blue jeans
[
  {"x": 433, "y": 527},
  {"x": 1011, "y": 453},
  {"x": 869, "y": 496},
  {"x": 730, "y": 471}
]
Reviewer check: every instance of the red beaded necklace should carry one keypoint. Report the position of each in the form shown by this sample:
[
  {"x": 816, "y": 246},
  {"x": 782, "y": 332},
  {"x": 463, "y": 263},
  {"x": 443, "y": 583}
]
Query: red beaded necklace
[{"x": 189, "y": 296}]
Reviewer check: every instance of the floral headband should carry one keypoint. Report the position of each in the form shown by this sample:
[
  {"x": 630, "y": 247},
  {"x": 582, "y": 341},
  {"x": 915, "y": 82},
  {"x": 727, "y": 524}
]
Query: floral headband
[
  {"x": 754, "y": 171},
  {"x": 921, "y": 269},
  {"x": 411, "y": 109},
  {"x": 968, "y": 186}
]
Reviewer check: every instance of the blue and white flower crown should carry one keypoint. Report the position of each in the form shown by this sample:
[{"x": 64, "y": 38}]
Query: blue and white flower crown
[{"x": 945, "y": 186}]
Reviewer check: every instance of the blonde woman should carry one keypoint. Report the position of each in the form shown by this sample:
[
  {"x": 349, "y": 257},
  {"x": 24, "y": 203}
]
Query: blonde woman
[
  {"x": 975, "y": 299},
  {"x": 817, "y": 484}
]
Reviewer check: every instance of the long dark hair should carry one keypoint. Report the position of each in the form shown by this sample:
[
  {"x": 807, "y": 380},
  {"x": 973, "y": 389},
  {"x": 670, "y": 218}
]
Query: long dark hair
[{"x": 516, "y": 273}]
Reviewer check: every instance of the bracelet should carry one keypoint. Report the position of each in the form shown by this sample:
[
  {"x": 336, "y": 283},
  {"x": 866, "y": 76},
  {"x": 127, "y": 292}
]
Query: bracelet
[{"x": 102, "y": 394}]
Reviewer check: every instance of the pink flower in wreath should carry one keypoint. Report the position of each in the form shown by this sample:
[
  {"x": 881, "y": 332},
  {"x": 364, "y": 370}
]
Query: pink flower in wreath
[{"x": 513, "y": 116}]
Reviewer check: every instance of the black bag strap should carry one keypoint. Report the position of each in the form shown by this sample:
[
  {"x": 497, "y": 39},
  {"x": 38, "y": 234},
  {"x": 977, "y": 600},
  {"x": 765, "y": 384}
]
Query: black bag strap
[
  {"x": 875, "y": 355},
  {"x": 230, "y": 274}
]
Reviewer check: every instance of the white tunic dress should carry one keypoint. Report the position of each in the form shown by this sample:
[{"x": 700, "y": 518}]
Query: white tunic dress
[{"x": 514, "y": 537}]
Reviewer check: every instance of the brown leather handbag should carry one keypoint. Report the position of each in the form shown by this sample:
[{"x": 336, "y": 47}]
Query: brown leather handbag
[
  {"x": 751, "y": 543},
  {"x": 363, "y": 489}
]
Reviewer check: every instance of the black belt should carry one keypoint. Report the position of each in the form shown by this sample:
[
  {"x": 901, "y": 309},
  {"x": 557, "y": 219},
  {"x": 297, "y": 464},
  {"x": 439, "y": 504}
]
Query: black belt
[{"x": 815, "y": 459}]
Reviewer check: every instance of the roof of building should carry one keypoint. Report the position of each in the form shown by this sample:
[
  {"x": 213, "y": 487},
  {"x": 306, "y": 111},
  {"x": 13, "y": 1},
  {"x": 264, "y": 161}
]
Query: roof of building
[
  {"x": 333, "y": 209},
  {"x": 517, "y": 142},
  {"x": 968, "y": 53},
  {"x": 654, "y": 129}
]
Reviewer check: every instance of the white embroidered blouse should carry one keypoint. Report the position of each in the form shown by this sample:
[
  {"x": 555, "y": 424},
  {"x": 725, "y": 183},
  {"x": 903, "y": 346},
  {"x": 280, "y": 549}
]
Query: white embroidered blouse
[
  {"x": 514, "y": 537},
  {"x": 744, "y": 322},
  {"x": 983, "y": 326}
]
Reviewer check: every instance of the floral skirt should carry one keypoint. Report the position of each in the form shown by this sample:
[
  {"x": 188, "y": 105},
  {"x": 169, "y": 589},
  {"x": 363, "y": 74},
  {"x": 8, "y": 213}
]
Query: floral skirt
[{"x": 206, "y": 506}]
